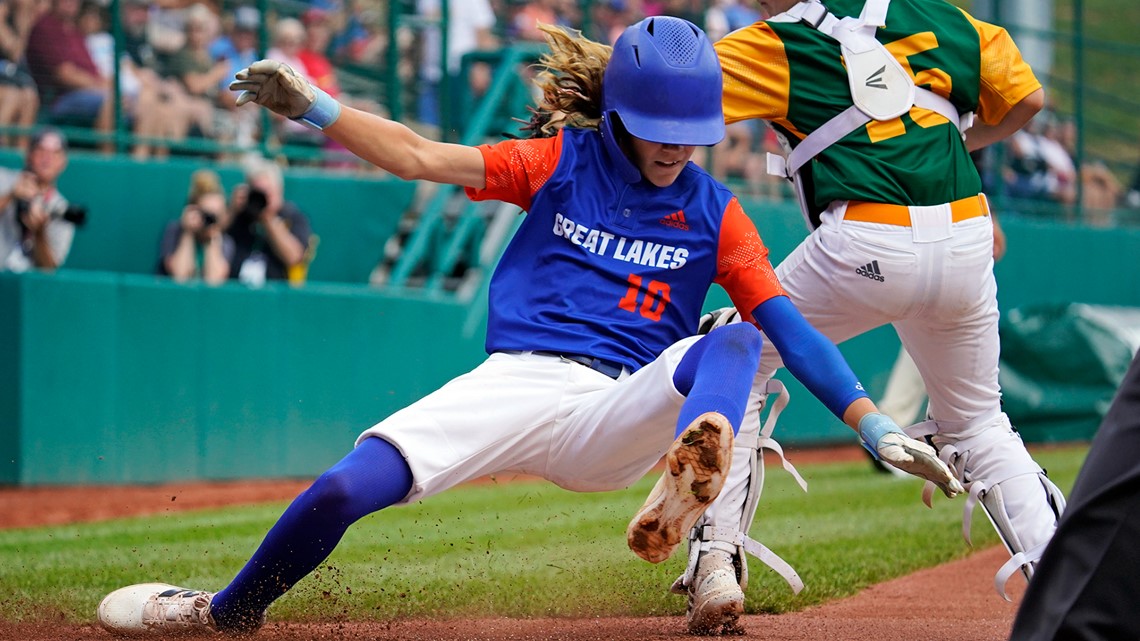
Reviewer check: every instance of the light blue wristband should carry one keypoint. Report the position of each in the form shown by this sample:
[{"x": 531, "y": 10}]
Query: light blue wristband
[
  {"x": 324, "y": 112},
  {"x": 872, "y": 428}
]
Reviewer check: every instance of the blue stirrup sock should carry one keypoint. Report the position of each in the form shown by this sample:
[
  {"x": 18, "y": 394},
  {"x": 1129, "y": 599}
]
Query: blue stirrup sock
[
  {"x": 716, "y": 374},
  {"x": 371, "y": 477}
]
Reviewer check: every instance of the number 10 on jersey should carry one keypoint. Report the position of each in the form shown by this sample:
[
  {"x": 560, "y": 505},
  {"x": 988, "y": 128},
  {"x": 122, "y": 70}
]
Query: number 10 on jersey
[{"x": 649, "y": 301}]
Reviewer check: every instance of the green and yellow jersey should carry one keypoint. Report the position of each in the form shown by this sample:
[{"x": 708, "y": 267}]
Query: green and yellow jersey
[{"x": 792, "y": 75}]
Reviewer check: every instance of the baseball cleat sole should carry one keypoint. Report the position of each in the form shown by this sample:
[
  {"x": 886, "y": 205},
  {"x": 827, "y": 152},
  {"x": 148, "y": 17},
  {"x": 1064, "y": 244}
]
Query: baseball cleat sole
[{"x": 695, "y": 469}]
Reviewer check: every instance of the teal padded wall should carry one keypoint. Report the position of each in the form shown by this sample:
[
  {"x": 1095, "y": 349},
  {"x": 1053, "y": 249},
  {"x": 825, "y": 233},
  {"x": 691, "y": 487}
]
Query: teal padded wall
[{"x": 134, "y": 379}]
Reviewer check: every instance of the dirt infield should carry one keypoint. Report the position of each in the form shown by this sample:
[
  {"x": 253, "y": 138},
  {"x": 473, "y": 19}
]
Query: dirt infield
[{"x": 953, "y": 602}]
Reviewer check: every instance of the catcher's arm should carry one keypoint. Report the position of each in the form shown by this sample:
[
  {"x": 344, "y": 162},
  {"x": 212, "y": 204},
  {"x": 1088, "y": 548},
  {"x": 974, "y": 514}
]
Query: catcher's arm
[
  {"x": 387, "y": 144},
  {"x": 983, "y": 135}
]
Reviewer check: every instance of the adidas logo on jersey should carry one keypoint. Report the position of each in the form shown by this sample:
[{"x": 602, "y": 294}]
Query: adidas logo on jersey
[
  {"x": 675, "y": 219},
  {"x": 871, "y": 270}
]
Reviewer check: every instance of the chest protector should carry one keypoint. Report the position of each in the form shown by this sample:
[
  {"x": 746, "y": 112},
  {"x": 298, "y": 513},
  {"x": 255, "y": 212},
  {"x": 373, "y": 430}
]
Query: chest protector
[{"x": 880, "y": 88}]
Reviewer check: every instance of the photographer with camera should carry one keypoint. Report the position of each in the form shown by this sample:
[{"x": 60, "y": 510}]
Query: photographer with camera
[
  {"x": 37, "y": 223},
  {"x": 271, "y": 235},
  {"x": 196, "y": 245}
]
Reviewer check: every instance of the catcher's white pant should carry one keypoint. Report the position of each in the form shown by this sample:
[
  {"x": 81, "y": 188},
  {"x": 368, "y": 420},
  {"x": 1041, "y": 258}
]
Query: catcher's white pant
[
  {"x": 540, "y": 415},
  {"x": 905, "y": 393},
  {"x": 934, "y": 282}
]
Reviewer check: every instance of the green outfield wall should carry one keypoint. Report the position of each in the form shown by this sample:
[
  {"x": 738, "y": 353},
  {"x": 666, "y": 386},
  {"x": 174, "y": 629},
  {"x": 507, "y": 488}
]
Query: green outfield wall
[{"x": 112, "y": 375}]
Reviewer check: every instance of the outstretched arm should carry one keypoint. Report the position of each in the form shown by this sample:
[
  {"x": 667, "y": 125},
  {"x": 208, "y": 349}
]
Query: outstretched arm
[
  {"x": 397, "y": 149},
  {"x": 387, "y": 144}
]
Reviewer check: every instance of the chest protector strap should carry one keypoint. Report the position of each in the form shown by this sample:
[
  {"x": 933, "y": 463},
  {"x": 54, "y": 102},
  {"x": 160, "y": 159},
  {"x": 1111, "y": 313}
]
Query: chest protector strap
[{"x": 880, "y": 88}]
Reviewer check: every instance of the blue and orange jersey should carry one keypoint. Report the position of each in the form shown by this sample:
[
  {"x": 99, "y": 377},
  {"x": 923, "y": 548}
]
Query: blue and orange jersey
[{"x": 606, "y": 268}]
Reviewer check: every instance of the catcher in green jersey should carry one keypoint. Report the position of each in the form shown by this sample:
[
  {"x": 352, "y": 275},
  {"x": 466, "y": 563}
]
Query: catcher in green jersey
[{"x": 879, "y": 105}]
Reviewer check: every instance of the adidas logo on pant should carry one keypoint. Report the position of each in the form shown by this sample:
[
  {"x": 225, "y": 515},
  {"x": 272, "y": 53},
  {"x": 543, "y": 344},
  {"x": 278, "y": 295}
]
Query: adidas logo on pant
[{"x": 870, "y": 270}]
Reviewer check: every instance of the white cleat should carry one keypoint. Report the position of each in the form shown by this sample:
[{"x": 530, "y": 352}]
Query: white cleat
[
  {"x": 156, "y": 608},
  {"x": 695, "y": 469},
  {"x": 716, "y": 601}
]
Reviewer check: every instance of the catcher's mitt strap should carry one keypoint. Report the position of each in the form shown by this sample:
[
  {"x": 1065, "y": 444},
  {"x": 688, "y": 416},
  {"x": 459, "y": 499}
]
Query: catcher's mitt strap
[{"x": 756, "y": 549}]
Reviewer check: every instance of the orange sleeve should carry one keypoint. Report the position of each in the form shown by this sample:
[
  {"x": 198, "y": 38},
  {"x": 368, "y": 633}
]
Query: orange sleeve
[
  {"x": 743, "y": 269},
  {"x": 1006, "y": 79},
  {"x": 517, "y": 169}
]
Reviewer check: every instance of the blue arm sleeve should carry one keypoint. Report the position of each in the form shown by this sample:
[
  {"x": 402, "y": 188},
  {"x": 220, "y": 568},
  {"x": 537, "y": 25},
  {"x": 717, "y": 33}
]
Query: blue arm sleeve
[{"x": 813, "y": 359}]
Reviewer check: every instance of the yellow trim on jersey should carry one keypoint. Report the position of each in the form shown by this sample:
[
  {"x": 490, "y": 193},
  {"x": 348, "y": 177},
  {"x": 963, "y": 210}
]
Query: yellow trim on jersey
[
  {"x": 1006, "y": 79},
  {"x": 757, "y": 78}
]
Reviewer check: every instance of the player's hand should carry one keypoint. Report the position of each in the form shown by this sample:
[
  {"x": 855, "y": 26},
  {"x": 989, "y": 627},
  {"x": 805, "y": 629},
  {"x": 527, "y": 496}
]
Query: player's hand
[
  {"x": 891, "y": 444},
  {"x": 275, "y": 86}
]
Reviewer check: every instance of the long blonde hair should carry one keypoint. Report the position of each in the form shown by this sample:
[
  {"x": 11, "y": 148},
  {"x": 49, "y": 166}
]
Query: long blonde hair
[{"x": 571, "y": 83}]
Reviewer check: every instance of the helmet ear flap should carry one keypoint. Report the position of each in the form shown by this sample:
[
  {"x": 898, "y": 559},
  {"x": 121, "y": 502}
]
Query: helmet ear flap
[{"x": 614, "y": 134}]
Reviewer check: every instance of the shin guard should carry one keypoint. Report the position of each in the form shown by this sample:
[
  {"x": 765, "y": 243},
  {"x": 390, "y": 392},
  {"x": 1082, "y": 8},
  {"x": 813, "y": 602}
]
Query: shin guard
[
  {"x": 726, "y": 523},
  {"x": 1020, "y": 501}
]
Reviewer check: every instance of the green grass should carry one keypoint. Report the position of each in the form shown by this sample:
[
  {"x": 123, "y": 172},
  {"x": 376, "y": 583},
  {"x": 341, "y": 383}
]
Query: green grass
[{"x": 518, "y": 549}]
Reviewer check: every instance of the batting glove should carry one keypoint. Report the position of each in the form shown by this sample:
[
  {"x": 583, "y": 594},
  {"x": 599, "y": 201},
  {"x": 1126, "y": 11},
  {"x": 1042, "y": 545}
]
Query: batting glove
[
  {"x": 887, "y": 442},
  {"x": 275, "y": 86}
]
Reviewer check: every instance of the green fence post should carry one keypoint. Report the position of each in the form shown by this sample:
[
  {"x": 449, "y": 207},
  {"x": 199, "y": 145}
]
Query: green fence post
[{"x": 1078, "y": 100}]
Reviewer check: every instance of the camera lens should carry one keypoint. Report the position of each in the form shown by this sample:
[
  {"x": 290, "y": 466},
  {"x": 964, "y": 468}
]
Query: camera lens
[
  {"x": 75, "y": 214},
  {"x": 255, "y": 202}
]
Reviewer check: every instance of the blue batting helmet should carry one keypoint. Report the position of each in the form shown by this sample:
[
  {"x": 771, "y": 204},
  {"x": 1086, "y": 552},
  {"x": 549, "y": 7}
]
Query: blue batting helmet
[{"x": 663, "y": 83}]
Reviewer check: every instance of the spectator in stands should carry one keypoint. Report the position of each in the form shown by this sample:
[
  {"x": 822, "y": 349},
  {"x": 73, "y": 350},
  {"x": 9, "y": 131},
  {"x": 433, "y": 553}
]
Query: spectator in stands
[
  {"x": 19, "y": 99},
  {"x": 156, "y": 116},
  {"x": 156, "y": 93},
  {"x": 288, "y": 40},
  {"x": 691, "y": 10},
  {"x": 736, "y": 157},
  {"x": 195, "y": 245},
  {"x": 241, "y": 47},
  {"x": 529, "y": 14},
  {"x": 36, "y": 222},
  {"x": 609, "y": 18},
  {"x": 68, "y": 79},
  {"x": 726, "y": 16},
  {"x": 363, "y": 40},
  {"x": 1039, "y": 167},
  {"x": 470, "y": 28},
  {"x": 1100, "y": 189},
  {"x": 197, "y": 73},
  {"x": 271, "y": 234},
  {"x": 166, "y": 24},
  {"x": 134, "y": 17},
  {"x": 314, "y": 49}
]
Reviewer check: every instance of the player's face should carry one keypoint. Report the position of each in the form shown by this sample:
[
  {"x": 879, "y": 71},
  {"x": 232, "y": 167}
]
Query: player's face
[{"x": 660, "y": 163}]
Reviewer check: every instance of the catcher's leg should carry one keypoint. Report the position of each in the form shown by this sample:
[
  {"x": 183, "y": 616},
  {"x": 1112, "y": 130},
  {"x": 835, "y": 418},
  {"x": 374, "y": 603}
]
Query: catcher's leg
[
  {"x": 1021, "y": 502},
  {"x": 717, "y": 573}
]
